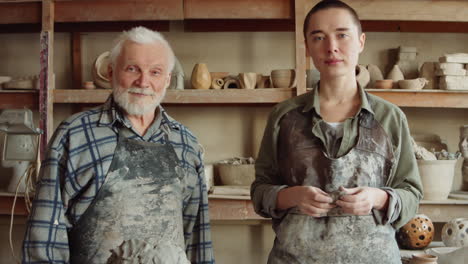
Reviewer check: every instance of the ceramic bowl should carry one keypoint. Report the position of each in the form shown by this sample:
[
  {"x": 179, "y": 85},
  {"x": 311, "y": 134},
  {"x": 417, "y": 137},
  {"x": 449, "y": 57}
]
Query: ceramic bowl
[
  {"x": 236, "y": 174},
  {"x": 413, "y": 84},
  {"x": 383, "y": 84},
  {"x": 99, "y": 70},
  {"x": 283, "y": 78}
]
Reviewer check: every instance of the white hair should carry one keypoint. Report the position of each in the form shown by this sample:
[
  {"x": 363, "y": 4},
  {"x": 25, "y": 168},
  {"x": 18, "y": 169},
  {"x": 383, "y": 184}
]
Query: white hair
[{"x": 141, "y": 35}]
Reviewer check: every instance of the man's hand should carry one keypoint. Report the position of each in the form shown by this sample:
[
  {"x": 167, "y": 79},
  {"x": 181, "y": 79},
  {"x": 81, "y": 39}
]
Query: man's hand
[
  {"x": 309, "y": 200},
  {"x": 361, "y": 200}
]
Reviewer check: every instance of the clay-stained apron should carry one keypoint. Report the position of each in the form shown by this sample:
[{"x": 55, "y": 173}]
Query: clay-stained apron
[
  {"x": 336, "y": 238},
  {"x": 140, "y": 203}
]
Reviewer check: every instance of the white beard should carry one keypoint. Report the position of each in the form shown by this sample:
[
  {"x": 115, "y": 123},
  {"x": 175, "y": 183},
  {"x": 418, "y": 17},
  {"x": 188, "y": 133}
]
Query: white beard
[{"x": 122, "y": 98}]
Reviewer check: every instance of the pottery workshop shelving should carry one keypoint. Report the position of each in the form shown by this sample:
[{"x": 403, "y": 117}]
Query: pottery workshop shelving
[{"x": 378, "y": 15}]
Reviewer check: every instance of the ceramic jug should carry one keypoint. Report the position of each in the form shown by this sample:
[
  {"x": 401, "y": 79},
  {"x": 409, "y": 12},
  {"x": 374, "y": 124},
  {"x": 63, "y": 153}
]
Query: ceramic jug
[
  {"x": 201, "y": 78},
  {"x": 423, "y": 259}
]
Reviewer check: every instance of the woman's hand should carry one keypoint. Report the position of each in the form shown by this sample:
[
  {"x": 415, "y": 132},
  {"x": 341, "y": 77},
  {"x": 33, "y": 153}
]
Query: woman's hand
[
  {"x": 309, "y": 200},
  {"x": 361, "y": 200}
]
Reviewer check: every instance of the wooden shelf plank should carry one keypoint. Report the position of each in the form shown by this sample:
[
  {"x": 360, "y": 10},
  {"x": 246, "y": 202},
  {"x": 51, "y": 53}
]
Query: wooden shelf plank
[
  {"x": 424, "y": 98},
  {"x": 225, "y": 209},
  {"x": 110, "y": 10},
  {"x": 415, "y": 10},
  {"x": 6, "y": 202},
  {"x": 230, "y": 96},
  {"x": 240, "y": 9},
  {"x": 445, "y": 210},
  {"x": 19, "y": 99},
  {"x": 16, "y": 13}
]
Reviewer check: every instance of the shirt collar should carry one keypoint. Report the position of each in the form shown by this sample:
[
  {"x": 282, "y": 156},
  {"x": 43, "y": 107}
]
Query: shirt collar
[{"x": 314, "y": 102}]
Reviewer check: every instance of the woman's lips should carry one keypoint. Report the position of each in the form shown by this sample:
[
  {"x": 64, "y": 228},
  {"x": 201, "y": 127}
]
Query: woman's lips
[{"x": 333, "y": 61}]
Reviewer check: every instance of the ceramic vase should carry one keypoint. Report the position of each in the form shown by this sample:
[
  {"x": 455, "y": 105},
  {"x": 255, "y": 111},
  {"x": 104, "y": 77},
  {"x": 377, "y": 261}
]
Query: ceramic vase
[
  {"x": 247, "y": 80},
  {"x": 437, "y": 178},
  {"x": 375, "y": 74},
  {"x": 362, "y": 76},
  {"x": 201, "y": 78},
  {"x": 395, "y": 74}
]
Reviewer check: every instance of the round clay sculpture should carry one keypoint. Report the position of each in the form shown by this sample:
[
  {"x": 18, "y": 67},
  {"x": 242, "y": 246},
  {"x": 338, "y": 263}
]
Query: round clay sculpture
[
  {"x": 455, "y": 233},
  {"x": 201, "y": 78},
  {"x": 417, "y": 233},
  {"x": 375, "y": 74}
]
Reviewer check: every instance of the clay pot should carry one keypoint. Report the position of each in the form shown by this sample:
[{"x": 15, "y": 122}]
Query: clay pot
[
  {"x": 413, "y": 84},
  {"x": 201, "y": 78},
  {"x": 247, "y": 80},
  {"x": 417, "y": 233},
  {"x": 395, "y": 74},
  {"x": 437, "y": 178},
  {"x": 283, "y": 78},
  {"x": 375, "y": 74},
  {"x": 236, "y": 174},
  {"x": 362, "y": 76},
  {"x": 217, "y": 79},
  {"x": 209, "y": 176},
  {"x": 231, "y": 82},
  {"x": 422, "y": 258},
  {"x": 455, "y": 233},
  {"x": 263, "y": 81},
  {"x": 99, "y": 71},
  {"x": 89, "y": 85},
  {"x": 383, "y": 84}
]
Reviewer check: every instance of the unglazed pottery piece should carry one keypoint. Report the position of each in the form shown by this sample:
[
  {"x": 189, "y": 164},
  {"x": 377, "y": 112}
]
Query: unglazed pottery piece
[
  {"x": 409, "y": 68},
  {"x": 428, "y": 71},
  {"x": 375, "y": 74},
  {"x": 236, "y": 174},
  {"x": 231, "y": 82},
  {"x": 455, "y": 57},
  {"x": 29, "y": 82},
  {"x": 99, "y": 70},
  {"x": 414, "y": 84},
  {"x": 89, "y": 85},
  {"x": 455, "y": 233},
  {"x": 437, "y": 178},
  {"x": 177, "y": 77},
  {"x": 263, "y": 81},
  {"x": 362, "y": 76},
  {"x": 217, "y": 84},
  {"x": 422, "y": 258},
  {"x": 449, "y": 66},
  {"x": 395, "y": 74},
  {"x": 417, "y": 233},
  {"x": 451, "y": 72},
  {"x": 453, "y": 82},
  {"x": 383, "y": 84},
  {"x": 283, "y": 78},
  {"x": 247, "y": 80},
  {"x": 201, "y": 78}
]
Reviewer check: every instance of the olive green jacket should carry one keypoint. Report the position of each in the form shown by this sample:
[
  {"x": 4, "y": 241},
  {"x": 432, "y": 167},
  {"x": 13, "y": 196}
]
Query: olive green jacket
[{"x": 404, "y": 184}]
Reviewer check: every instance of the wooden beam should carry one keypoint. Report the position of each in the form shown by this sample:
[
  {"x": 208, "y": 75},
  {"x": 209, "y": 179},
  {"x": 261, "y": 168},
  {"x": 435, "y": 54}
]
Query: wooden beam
[
  {"x": 107, "y": 10},
  {"x": 414, "y": 10},
  {"x": 109, "y": 26},
  {"x": 19, "y": 99},
  {"x": 239, "y": 9},
  {"x": 300, "y": 48},
  {"x": 239, "y": 25},
  {"x": 76, "y": 60},
  {"x": 424, "y": 98},
  {"x": 47, "y": 83},
  {"x": 14, "y": 13}
]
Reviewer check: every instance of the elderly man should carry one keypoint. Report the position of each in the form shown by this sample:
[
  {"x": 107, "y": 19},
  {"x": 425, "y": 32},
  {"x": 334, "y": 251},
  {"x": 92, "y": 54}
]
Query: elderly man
[{"x": 123, "y": 181}]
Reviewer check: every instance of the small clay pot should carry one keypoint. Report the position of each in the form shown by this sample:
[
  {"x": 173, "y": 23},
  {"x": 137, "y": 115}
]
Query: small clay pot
[
  {"x": 383, "y": 84},
  {"x": 413, "y": 84},
  {"x": 89, "y": 85},
  {"x": 421, "y": 258},
  {"x": 283, "y": 78}
]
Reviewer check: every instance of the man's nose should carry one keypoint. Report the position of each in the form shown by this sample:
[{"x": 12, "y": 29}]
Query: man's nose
[{"x": 143, "y": 80}]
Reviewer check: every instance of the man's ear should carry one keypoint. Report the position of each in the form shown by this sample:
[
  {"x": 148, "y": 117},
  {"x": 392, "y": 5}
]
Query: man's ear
[{"x": 362, "y": 41}]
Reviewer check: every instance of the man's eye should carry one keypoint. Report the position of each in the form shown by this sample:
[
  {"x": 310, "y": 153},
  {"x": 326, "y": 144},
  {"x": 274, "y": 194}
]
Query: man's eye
[
  {"x": 131, "y": 69},
  {"x": 318, "y": 38},
  {"x": 342, "y": 35},
  {"x": 155, "y": 73}
]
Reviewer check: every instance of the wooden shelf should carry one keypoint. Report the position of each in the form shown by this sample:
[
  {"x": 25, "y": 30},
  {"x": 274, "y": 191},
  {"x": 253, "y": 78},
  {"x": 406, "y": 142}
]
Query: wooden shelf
[
  {"x": 6, "y": 201},
  {"x": 229, "y": 96},
  {"x": 424, "y": 98},
  {"x": 445, "y": 210},
  {"x": 19, "y": 99}
]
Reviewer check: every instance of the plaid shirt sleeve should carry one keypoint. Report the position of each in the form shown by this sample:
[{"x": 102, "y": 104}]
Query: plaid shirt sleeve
[
  {"x": 197, "y": 232},
  {"x": 46, "y": 239}
]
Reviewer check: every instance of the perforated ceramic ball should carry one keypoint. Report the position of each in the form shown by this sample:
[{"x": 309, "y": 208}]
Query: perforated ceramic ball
[
  {"x": 417, "y": 233},
  {"x": 455, "y": 233}
]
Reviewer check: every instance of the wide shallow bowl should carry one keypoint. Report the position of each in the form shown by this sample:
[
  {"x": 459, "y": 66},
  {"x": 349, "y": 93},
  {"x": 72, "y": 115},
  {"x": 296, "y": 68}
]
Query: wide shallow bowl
[{"x": 236, "y": 174}]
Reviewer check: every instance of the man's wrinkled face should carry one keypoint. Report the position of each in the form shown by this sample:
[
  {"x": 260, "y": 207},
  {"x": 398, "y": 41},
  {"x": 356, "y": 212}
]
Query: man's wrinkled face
[
  {"x": 140, "y": 77},
  {"x": 334, "y": 42}
]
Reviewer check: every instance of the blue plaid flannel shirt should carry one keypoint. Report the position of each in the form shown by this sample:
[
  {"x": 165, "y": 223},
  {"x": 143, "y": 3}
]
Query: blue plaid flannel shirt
[{"x": 78, "y": 158}]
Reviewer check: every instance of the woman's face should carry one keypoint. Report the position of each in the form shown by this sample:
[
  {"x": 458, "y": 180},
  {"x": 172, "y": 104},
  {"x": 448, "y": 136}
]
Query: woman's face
[{"x": 334, "y": 43}]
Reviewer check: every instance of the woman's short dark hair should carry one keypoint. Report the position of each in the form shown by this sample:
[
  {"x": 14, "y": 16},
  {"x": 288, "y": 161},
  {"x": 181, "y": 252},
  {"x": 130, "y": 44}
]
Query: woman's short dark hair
[{"x": 327, "y": 4}]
